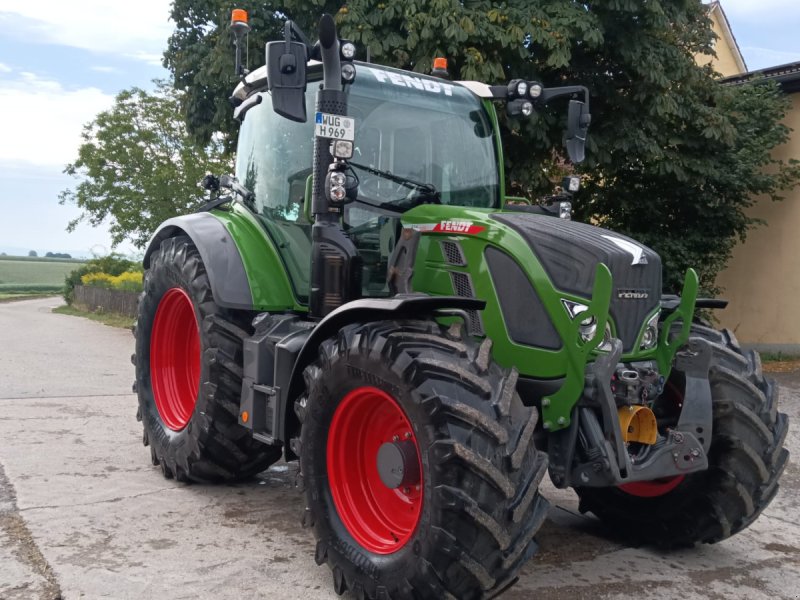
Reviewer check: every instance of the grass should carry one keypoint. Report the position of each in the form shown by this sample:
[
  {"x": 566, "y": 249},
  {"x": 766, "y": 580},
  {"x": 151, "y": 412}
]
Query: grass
[
  {"x": 107, "y": 318},
  {"x": 31, "y": 275},
  {"x": 14, "y": 296},
  {"x": 780, "y": 362}
]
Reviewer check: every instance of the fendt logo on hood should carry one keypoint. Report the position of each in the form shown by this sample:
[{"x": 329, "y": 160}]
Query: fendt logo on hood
[
  {"x": 466, "y": 227},
  {"x": 632, "y": 294}
]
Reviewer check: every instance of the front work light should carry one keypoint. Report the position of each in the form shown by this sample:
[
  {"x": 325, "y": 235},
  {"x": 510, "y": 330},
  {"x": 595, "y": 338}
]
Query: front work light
[
  {"x": 519, "y": 108},
  {"x": 571, "y": 184},
  {"x": 348, "y": 50},
  {"x": 348, "y": 72},
  {"x": 342, "y": 149}
]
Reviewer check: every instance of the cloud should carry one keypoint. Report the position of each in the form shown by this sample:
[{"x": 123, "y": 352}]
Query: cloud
[
  {"x": 46, "y": 119},
  {"x": 103, "y": 69},
  {"x": 138, "y": 28},
  {"x": 5, "y": 68},
  {"x": 151, "y": 58}
]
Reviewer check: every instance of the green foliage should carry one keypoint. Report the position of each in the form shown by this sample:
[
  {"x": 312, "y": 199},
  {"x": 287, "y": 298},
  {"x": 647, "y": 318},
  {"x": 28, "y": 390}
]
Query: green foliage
[
  {"x": 113, "y": 265},
  {"x": 137, "y": 166},
  {"x": 674, "y": 158}
]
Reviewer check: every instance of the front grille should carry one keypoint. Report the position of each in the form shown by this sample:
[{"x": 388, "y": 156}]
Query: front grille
[
  {"x": 524, "y": 314},
  {"x": 569, "y": 252},
  {"x": 453, "y": 254},
  {"x": 462, "y": 284}
]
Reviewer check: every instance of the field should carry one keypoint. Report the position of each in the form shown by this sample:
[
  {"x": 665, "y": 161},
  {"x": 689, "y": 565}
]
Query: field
[{"x": 30, "y": 275}]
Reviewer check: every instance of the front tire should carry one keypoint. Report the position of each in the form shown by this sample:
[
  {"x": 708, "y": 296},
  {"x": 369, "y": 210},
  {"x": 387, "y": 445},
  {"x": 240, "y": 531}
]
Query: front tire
[
  {"x": 189, "y": 373},
  {"x": 462, "y": 524},
  {"x": 746, "y": 460}
]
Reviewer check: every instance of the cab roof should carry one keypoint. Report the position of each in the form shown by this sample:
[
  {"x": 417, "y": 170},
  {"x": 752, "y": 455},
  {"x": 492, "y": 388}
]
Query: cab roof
[{"x": 256, "y": 81}]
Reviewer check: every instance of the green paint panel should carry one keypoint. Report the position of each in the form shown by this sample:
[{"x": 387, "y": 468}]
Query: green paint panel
[
  {"x": 266, "y": 273},
  {"x": 556, "y": 409},
  {"x": 432, "y": 275},
  {"x": 665, "y": 352},
  {"x": 501, "y": 162}
]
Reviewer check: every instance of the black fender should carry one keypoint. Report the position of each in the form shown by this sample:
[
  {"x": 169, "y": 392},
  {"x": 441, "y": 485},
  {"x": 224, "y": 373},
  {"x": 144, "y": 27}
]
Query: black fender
[
  {"x": 402, "y": 306},
  {"x": 223, "y": 263}
]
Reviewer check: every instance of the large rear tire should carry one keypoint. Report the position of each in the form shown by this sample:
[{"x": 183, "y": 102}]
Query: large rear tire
[
  {"x": 746, "y": 460},
  {"x": 189, "y": 373},
  {"x": 462, "y": 524}
]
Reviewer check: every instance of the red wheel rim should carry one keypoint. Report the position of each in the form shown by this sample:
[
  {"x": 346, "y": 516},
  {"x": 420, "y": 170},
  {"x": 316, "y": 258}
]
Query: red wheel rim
[
  {"x": 654, "y": 488},
  {"x": 379, "y": 518},
  {"x": 175, "y": 359},
  {"x": 658, "y": 487}
]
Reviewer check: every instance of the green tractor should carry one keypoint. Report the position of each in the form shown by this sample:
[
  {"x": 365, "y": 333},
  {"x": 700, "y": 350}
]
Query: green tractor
[{"x": 364, "y": 298}]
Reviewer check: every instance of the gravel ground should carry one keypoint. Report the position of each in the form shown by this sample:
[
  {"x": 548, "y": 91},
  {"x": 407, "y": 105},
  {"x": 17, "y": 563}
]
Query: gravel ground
[{"x": 83, "y": 514}]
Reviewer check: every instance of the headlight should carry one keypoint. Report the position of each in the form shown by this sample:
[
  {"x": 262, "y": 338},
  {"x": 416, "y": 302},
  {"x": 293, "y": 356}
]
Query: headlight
[
  {"x": 338, "y": 193},
  {"x": 338, "y": 178},
  {"x": 588, "y": 326},
  {"x": 335, "y": 182},
  {"x": 650, "y": 335}
]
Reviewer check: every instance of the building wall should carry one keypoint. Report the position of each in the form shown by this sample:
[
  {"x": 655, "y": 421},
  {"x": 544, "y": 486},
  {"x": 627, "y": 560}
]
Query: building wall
[
  {"x": 762, "y": 280},
  {"x": 725, "y": 63}
]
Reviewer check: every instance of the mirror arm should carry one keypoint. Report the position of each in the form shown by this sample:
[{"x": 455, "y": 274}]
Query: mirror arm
[
  {"x": 291, "y": 32},
  {"x": 559, "y": 92}
]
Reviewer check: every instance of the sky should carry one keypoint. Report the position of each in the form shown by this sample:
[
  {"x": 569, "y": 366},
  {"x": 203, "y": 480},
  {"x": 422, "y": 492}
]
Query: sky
[{"x": 62, "y": 62}]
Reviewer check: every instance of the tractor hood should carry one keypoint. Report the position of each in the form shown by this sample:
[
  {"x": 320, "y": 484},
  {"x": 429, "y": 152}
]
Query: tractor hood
[{"x": 569, "y": 252}]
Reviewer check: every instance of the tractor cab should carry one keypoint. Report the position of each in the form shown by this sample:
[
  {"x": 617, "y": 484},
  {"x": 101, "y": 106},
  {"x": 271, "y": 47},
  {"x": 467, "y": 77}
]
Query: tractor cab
[{"x": 415, "y": 128}]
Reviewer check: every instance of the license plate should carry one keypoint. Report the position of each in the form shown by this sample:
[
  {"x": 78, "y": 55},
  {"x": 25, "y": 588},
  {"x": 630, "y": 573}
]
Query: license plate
[{"x": 335, "y": 127}]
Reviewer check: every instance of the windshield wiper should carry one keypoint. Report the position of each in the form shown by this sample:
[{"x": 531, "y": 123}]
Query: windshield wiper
[{"x": 428, "y": 189}]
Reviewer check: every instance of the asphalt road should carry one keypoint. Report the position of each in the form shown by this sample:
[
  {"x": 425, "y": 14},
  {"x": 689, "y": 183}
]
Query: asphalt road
[{"x": 83, "y": 514}]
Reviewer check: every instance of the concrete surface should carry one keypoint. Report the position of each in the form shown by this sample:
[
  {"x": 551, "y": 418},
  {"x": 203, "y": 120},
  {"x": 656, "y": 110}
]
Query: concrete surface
[{"x": 84, "y": 515}]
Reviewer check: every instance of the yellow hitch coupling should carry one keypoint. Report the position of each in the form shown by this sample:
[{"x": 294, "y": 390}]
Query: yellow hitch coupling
[{"x": 638, "y": 424}]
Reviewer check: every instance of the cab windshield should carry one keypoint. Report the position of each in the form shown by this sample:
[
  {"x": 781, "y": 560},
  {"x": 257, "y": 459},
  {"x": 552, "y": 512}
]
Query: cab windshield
[
  {"x": 425, "y": 130},
  {"x": 413, "y": 127}
]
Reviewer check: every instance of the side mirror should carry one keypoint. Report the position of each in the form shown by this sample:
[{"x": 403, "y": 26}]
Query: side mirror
[
  {"x": 286, "y": 78},
  {"x": 578, "y": 120}
]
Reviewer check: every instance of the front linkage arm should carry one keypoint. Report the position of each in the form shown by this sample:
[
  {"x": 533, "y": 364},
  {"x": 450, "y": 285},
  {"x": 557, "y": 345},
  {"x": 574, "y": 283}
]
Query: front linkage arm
[{"x": 607, "y": 461}]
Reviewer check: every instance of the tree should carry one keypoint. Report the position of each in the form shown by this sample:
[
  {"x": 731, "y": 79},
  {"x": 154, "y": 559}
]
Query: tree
[
  {"x": 137, "y": 166},
  {"x": 674, "y": 157},
  {"x": 33, "y": 254}
]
